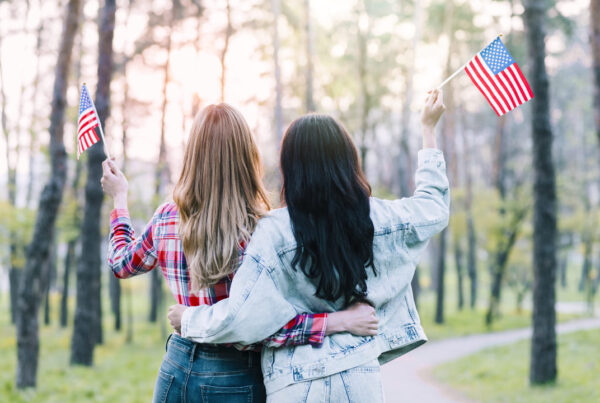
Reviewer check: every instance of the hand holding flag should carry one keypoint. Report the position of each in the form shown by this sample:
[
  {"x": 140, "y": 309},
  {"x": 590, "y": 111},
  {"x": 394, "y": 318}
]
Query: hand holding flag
[{"x": 498, "y": 77}]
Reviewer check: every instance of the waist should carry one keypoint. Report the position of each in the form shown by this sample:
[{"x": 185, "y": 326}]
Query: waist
[
  {"x": 179, "y": 348},
  {"x": 289, "y": 365}
]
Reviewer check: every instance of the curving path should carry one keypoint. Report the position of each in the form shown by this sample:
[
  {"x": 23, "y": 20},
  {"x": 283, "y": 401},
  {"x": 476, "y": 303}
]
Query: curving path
[{"x": 406, "y": 379}]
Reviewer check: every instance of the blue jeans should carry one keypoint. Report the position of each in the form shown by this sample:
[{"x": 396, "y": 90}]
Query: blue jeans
[{"x": 193, "y": 372}]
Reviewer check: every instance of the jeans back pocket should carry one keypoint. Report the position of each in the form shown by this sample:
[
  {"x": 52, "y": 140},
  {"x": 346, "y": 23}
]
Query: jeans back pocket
[{"x": 162, "y": 388}]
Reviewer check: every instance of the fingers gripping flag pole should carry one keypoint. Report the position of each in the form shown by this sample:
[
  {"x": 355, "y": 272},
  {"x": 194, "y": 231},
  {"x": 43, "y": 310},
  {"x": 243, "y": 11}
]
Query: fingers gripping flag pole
[
  {"x": 88, "y": 121},
  {"x": 498, "y": 77}
]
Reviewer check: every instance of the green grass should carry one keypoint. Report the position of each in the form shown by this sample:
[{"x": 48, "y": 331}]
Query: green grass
[
  {"x": 121, "y": 373},
  {"x": 127, "y": 372},
  {"x": 501, "y": 374}
]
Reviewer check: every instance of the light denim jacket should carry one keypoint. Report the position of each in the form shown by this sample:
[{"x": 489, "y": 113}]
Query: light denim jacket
[{"x": 266, "y": 292}]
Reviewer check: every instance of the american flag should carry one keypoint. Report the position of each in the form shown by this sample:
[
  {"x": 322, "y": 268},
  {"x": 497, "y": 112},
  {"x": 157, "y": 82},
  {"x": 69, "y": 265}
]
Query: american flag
[
  {"x": 498, "y": 77},
  {"x": 88, "y": 120}
]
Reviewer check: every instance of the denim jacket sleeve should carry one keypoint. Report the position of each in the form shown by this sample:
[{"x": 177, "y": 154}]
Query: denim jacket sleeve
[
  {"x": 427, "y": 211},
  {"x": 254, "y": 310}
]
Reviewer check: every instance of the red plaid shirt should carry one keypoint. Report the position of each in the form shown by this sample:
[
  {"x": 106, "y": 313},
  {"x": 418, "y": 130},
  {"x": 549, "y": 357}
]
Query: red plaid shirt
[{"x": 160, "y": 246}]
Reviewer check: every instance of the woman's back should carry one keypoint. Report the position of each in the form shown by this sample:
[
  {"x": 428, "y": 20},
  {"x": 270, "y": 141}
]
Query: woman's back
[{"x": 161, "y": 242}]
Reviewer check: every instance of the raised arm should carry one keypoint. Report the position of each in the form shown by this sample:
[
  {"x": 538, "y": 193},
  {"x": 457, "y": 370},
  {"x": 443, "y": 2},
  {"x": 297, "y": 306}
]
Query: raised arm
[
  {"x": 127, "y": 255},
  {"x": 427, "y": 211}
]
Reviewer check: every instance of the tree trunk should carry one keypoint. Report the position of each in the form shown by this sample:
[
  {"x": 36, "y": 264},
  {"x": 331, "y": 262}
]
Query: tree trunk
[
  {"x": 416, "y": 286},
  {"x": 405, "y": 169},
  {"x": 69, "y": 260},
  {"x": 32, "y": 127},
  {"x": 162, "y": 174},
  {"x": 472, "y": 260},
  {"x": 87, "y": 330},
  {"x": 155, "y": 295},
  {"x": 50, "y": 273},
  {"x": 595, "y": 44},
  {"x": 14, "y": 278},
  {"x": 308, "y": 30},
  {"x": 448, "y": 127},
  {"x": 114, "y": 288},
  {"x": 228, "y": 33},
  {"x": 563, "y": 271},
  {"x": 500, "y": 262},
  {"x": 275, "y": 6},
  {"x": 11, "y": 183},
  {"x": 30, "y": 289},
  {"x": 440, "y": 269},
  {"x": 543, "y": 342},
  {"x": 587, "y": 263},
  {"x": 458, "y": 256}
]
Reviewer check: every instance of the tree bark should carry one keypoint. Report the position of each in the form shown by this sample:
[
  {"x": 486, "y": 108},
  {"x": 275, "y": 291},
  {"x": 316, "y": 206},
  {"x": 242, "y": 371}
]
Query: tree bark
[
  {"x": 448, "y": 130},
  {"x": 441, "y": 270},
  {"x": 275, "y": 6},
  {"x": 32, "y": 127},
  {"x": 500, "y": 262},
  {"x": 228, "y": 33},
  {"x": 69, "y": 260},
  {"x": 595, "y": 45},
  {"x": 405, "y": 168},
  {"x": 458, "y": 259},
  {"x": 543, "y": 343},
  {"x": 50, "y": 274},
  {"x": 14, "y": 278},
  {"x": 416, "y": 286},
  {"x": 11, "y": 183},
  {"x": 30, "y": 289},
  {"x": 87, "y": 330},
  {"x": 308, "y": 29}
]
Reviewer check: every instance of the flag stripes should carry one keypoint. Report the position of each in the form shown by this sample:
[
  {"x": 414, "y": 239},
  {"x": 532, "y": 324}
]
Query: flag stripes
[
  {"x": 498, "y": 78},
  {"x": 88, "y": 121}
]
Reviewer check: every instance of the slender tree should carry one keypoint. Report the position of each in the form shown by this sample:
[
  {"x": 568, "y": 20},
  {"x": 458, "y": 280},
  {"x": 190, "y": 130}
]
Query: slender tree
[
  {"x": 308, "y": 33},
  {"x": 228, "y": 33},
  {"x": 543, "y": 342},
  {"x": 12, "y": 158},
  {"x": 595, "y": 44},
  {"x": 30, "y": 290},
  {"x": 275, "y": 7},
  {"x": 448, "y": 128},
  {"x": 405, "y": 162},
  {"x": 87, "y": 330}
]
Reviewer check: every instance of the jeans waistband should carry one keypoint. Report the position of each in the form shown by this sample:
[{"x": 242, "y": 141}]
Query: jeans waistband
[{"x": 211, "y": 350}]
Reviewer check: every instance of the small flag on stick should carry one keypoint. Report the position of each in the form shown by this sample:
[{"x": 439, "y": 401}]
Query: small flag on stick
[
  {"x": 88, "y": 121},
  {"x": 498, "y": 77}
]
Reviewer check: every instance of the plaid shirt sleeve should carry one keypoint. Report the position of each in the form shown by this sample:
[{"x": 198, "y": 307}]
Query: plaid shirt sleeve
[
  {"x": 128, "y": 256},
  {"x": 305, "y": 328}
]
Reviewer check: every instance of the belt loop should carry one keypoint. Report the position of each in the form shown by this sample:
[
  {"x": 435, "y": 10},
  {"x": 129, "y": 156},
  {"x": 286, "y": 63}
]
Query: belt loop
[
  {"x": 250, "y": 359},
  {"x": 167, "y": 343},
  {"x": 193, "y": 354}
]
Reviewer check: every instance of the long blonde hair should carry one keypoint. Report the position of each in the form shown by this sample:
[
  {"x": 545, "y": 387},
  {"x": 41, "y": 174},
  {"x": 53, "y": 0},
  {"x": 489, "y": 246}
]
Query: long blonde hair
[{"x": 220, "y": 194}]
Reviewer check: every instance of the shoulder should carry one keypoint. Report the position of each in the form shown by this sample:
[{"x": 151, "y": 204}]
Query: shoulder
[
  {"x": 385, "y": 214},
  {"x": 272, "y": 234},
  {"x": 167, "y": 209}
]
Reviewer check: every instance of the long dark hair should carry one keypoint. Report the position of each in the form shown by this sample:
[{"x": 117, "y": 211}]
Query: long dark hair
[{"x": 327, "y": 196}]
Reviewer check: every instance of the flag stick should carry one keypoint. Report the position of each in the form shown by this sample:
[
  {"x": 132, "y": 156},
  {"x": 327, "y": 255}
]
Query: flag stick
[
  {"x": 455, "y": 73},
  {"x": 100, "y": 127},
  {"x": 452, "y": 76}
]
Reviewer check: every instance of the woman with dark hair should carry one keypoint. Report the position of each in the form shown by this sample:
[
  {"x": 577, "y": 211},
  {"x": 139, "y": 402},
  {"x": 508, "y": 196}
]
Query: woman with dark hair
[{"x": 332, "y": 245}]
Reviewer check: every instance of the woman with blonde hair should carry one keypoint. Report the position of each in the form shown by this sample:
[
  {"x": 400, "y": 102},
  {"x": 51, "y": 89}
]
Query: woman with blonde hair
[{"x": 198, "y": 242}]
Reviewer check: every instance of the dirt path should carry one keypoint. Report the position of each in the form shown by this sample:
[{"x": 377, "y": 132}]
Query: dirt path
[{"x": 406, "y": 379}]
